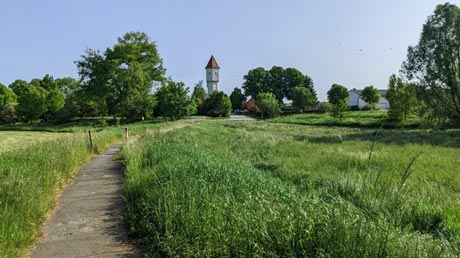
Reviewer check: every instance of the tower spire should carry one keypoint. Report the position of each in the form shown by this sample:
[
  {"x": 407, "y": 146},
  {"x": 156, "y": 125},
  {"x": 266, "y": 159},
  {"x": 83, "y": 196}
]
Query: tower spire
[{"x": 212, "y": 75}]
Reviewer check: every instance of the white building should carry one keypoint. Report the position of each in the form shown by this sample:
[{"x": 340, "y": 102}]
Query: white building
[
  {"x": 212, "y": 75},
  {"x": 356, "y": 102}
]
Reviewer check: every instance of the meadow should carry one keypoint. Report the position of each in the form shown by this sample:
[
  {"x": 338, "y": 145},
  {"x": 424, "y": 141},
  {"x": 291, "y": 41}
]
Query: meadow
[
  {"x": 259, "y": 189},
  {"x": 34, "y": 166},
  {"x": 371, "y": 119}
]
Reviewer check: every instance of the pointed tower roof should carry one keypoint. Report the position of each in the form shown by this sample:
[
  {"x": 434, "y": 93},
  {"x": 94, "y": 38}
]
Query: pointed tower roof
[{"x": 212, "y": 63}]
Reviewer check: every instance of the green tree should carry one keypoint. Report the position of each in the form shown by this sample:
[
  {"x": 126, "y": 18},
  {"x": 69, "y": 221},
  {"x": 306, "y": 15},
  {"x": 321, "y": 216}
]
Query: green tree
[
  {"x": 121, "y": 79},
  {"x": 275, "y": 80},
  {"x": 402, "y": 98},
  {"x": 218, "y": 105},
  {"x": 32, "y": 103},
  {"x": 68, "y": 86},
  {"x": 8, "y": 113},
  {"x": 433, "y": 64},
  {"x": 237, "y": 98},
  {"x": 255, "y": 82},
  {"x": 172, "y": 100},
  {"x": 6, "y": 96},
  {"x": 293, "y": 78},
  {"x": 371, "y": 96},
  {"x": 338, "y": 96},
  {"x": 199, "y": 96},
  {"x": 268, "y": 105},
  {"x": 302, "y": 98},
  {"x": 19, "y": 86}
]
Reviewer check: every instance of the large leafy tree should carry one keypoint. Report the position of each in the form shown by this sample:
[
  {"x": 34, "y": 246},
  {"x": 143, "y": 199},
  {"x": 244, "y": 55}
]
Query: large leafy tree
[
  {"x": 237, "y": 98},
  {"x": 32, "y": 103},
  {"x": 402, "y": 98},
  {"x": 338, "y": 96},
  {"x": 371, "y": 96},
  {"x": 172, "y": 100},
  {"x": 255, "y": 82},
  {"x": 55, "y": 100},
  {"x": 302, "y": 98},
  {"x": 120, "y": 80},
  {"x": 278, "y": 81},
  {"x": 434, "y": 64}
]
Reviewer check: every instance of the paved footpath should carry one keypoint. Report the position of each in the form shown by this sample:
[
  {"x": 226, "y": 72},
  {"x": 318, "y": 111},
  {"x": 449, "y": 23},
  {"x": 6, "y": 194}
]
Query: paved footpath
[{"x": 87, "y": 220}]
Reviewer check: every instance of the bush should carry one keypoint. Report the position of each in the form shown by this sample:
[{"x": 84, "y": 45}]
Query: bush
[
  {"x": 368, "y": 107},
  {"x": 218, "y": 105},
  {"x": 8, "y": 114},
  {"x": 268, "y": 105},
  {"x": 324, "y": 107}
]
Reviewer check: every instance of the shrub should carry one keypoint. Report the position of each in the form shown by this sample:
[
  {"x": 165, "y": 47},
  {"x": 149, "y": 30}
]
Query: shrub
[
  {"x": 324, "y": 107},
  {"x": 218, "y": 105},
  {"x": 8, "y": 114},
  {"x": 268, "y": 105}
]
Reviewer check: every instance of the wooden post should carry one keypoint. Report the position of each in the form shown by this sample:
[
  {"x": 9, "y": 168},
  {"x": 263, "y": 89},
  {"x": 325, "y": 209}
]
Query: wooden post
[
  {"x": 126, "y": 134},
  {"x": 91, "y": 140}
]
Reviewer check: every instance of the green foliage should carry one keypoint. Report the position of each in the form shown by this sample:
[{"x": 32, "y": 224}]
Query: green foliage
[
  {"x": 338, "y": 96},
  {"x": 402, "y": 99},
  {"x": 199, "y": 96},
  {"x": 19, "y": 86},
  {"x": 278, "y": 81},
  {"x": 8, "y": 113},
  {"x": 120, "y": 80},
  {"x": 6, "y": 96},
  {"x": 337, "y": 93},
  {"x": 237, "y": 98},
  {"x": 32, "y": 103},
  {"x": 68, "y": 86},
  {"x": 340, "y": 109},
  {"x": 371, "y": 96},
  {"x": 269, "y": 190},
  {"x": 268, "y": 105},
  {"x": 302, "y": 98},
  {"x": 324, "y": 107},
  {"x": 433, "y": 63},
  {"x": 218, "y": 105},
  {"x": 172, "y": 100}
]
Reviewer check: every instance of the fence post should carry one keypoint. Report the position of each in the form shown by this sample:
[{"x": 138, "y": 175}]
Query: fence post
[
  {"x": 90, "y": 140},
  {"x": 126, "y": 134}
]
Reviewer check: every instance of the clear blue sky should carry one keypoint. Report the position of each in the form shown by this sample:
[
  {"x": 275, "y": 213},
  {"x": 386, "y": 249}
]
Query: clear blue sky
[{"x": 354, "y": 43}]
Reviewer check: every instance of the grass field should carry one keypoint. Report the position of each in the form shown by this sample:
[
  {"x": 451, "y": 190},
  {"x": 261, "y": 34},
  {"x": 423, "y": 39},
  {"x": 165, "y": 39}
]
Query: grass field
[
  {"x": 34, "y": 166},
  {"x": 10, "y": 140},
  {"x": 373, "y": 119},
  {"x": 226, "y": 189}
]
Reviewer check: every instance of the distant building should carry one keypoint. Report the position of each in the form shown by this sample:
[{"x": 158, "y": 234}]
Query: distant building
[
  {"x": 212, "y": 75},
  {"x": 356, "y": 102}
]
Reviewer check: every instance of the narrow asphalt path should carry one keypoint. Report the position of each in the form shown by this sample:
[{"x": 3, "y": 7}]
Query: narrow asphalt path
[{"x": 87, "y": 221}]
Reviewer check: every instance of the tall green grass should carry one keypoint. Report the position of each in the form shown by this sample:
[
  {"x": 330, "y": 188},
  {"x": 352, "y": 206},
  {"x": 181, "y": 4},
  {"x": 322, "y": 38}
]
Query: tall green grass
[
  {"x": 30, "y": 177},
  {"x": 264, "y": 190}
]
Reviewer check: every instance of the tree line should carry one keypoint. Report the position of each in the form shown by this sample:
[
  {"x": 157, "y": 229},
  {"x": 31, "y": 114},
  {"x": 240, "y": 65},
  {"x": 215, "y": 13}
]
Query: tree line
[
  {"x": 120, "y": 82},
  {"x": 117, "y": 82},
  {"x": 428, "y": 84}
]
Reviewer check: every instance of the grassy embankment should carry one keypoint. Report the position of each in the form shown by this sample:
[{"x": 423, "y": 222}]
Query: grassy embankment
[
  {"x": 226, "y": 189},
  {"x": 372, "y": 119},
  {"x": 33, "y": 166}
]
